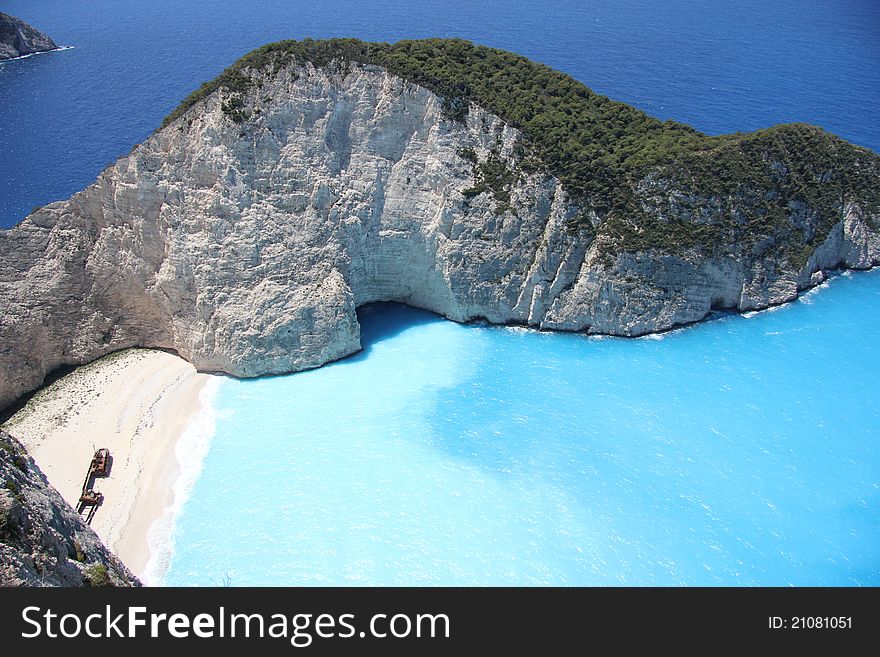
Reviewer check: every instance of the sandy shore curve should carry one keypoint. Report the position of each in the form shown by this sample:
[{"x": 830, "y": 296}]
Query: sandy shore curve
[{"x": 137, "y": 403}]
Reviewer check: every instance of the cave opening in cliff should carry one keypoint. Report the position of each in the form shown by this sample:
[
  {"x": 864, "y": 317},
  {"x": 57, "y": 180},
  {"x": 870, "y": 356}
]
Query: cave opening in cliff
[{"x": 383, "y": 320}]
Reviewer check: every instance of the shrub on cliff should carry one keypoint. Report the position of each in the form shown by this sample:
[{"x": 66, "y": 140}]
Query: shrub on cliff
[{"x": 604, "y": 151}]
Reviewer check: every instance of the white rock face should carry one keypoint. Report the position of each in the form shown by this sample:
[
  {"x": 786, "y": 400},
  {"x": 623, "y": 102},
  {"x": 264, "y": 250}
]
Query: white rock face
[{"x": 247, "y": 247}]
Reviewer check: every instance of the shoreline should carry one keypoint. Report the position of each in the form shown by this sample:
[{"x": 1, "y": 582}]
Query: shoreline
[
  {"x": 658, "y": 334},
  {"x": 155, "y": 413},
  {"x": 179, "y": 476},
  {"x": 39, "y": 52},
  {"x": 138, "y": 403}
]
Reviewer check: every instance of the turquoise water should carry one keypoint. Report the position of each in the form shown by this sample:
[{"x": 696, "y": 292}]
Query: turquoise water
[{"x": 742, "y": 451}]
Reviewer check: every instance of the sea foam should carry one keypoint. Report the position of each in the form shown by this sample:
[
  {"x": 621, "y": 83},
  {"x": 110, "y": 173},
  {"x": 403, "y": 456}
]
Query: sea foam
[
  {"x": 190, "y": 451},
  {"x": 34, "y": 54}
]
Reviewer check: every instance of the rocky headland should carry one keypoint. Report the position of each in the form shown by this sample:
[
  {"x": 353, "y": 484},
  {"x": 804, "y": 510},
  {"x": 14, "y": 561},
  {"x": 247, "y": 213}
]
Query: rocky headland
[
  {"x": 17, "y": 38},
  {"x": 313, "y": 177}
]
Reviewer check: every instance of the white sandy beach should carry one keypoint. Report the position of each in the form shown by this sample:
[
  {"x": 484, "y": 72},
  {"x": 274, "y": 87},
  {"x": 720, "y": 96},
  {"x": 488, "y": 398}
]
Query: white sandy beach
[{"x": 136, "y": 403}]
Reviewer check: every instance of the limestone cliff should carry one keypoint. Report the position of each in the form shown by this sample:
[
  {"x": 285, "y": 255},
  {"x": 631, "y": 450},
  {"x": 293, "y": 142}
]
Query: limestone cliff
[
  {"x": 43, "y": 541},
  {"x": 246, "y": 231},
  {"x": 17, "y": 38}
]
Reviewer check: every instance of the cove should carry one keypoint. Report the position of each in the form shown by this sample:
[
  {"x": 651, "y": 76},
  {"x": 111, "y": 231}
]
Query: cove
[{"x": 741, "y": 451}]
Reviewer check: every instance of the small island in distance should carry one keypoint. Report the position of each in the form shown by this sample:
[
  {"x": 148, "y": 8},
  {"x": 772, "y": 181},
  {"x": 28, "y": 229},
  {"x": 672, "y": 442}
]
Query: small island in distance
[{"x": 18, "y": 39}]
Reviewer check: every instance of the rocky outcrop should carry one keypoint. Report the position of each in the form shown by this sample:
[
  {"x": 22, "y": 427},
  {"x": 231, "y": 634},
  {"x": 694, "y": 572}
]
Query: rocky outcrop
[
  {"x": 17, "y": 38},
  {"x": 43, "y": 541},
  {"x": 246, "y": 232},
  {"x": 645, "y": 292}
]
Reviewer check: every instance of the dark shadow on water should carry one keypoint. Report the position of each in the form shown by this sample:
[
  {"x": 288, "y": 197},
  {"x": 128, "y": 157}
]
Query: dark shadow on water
[{"x": 387, "y": 319}]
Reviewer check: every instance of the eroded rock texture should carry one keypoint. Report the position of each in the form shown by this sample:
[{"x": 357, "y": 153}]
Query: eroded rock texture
[{"x": 247, "y": 245}]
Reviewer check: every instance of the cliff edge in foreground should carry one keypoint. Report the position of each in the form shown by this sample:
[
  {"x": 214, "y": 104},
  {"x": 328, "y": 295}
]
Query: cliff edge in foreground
[
  {"x": 313, "y": 177},
  {"x": 43, "y": 541},
  {"x": 17, "y": 38}
]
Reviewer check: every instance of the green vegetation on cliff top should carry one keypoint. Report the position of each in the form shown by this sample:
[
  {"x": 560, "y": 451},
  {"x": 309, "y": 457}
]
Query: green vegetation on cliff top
[{"x": 653, "y": 184}]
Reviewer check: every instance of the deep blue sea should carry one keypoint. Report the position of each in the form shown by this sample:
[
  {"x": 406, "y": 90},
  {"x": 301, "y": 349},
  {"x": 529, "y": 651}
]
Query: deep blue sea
[
  {"x": 719, "y": 65},
  {"x": 740, "y": 451}
]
